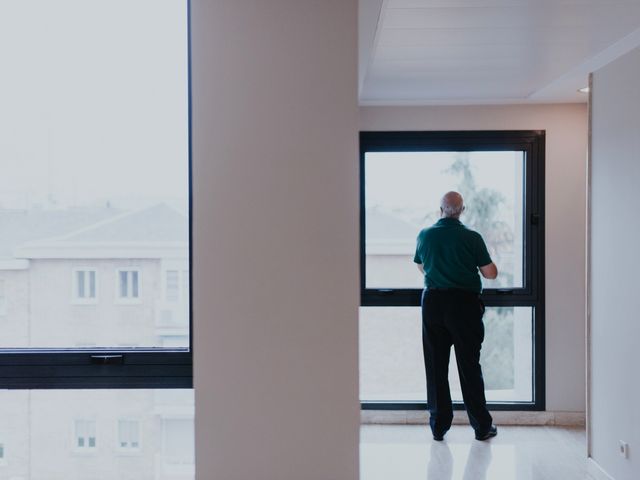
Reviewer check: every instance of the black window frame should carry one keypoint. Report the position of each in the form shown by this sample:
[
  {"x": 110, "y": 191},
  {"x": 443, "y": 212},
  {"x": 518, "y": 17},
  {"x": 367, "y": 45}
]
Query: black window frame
[
  {"x": 532, "y": 294},
  {"x": 111, "y": 368}
]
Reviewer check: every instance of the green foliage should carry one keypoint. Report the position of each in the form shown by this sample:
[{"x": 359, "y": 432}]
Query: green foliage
[{"x": 481, "y": 214}]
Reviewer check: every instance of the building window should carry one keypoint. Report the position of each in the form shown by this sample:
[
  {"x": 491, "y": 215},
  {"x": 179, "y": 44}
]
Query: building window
[
  {"x": 176, "y": 286},
  {"x": 129, "y": 435},
  {"x": 85, "y": 286},
  {"x": 501, "y": 177},
  {"x": 172, "y": 291},
  {"x": 129, "y": 285},
  {"x": 3, "y": 297},
  {"x": 85, "y": 435}
]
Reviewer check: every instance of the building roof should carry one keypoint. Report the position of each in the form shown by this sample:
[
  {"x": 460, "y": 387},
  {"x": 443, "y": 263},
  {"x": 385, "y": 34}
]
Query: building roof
[
  {"x": 76, "y": 233},
  {"x": 389, "y": 234},
  {"x": 158, "y": 223},
  {"x": 18, "y": 227},
  {"x": 385, "y": 226}
]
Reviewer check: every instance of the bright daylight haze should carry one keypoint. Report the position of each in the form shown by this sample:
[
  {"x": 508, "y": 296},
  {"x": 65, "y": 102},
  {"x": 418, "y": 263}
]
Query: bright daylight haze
[{"x": 94, "y": 108}]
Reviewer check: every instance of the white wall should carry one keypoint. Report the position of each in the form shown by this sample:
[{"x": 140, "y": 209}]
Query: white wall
[
  {"x": 276, "y": 239},
  {"x": 566, "y": 149},
  {"x": 615, "y": 326}
]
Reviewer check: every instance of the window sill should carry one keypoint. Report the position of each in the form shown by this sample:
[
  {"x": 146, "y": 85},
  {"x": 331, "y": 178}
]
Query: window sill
[{"x": 125, "y": 301}]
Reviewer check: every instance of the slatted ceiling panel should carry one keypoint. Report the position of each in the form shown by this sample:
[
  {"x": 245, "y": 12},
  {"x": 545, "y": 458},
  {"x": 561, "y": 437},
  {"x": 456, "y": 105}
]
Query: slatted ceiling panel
[
  {"x": 499, "y": 3},
  {"x": 444, "y": 37},
  {"x": 525, "y": 16},
  {"x": 439, "y": 50},
  {"x": 502, "y": 52},
  {"x": 459, "y": 89}
]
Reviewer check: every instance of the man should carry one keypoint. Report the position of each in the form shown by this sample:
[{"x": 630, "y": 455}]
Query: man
[{"x": 450, "y": 256}]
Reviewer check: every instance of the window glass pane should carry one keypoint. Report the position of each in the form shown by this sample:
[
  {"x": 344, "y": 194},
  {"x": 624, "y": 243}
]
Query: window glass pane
[
  {"x": 80, "y": 276},
  {"x": 124, "y": 284},
  {"x": 402, "y": 196},
  {"x": 92, "y": 284},
  {"x": 134, "y": 434},
  {"x": 392, "y": 365},
  {"x": 94, "y": 157},
  {"x": 134, "y": 284},
  {"x": 44, "y": 428}
]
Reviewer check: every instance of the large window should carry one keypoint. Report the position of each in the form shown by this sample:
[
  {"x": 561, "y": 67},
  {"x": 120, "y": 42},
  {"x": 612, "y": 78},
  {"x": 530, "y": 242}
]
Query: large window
[
  {"x": 403, "y": 176},
  {"x": 94, "y": 198}
]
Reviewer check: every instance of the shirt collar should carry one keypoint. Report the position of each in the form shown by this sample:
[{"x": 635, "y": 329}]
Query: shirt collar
[{"x": 449, "y": 221}]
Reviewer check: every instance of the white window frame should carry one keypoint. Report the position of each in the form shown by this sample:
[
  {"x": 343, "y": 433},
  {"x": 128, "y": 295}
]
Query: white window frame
[
  {"x": 128, "y": 450},
  {"x": 85, "y": 449},
  {"x": 128, "y": 299},
  {"x": 3, "y": 297},
  {"x": 77, "y": 300}
]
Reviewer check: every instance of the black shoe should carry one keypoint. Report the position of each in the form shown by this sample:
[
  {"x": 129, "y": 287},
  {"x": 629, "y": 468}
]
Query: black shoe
[
  {"x": 492, "y": 432},
  {"x": 439, "y": 436}
]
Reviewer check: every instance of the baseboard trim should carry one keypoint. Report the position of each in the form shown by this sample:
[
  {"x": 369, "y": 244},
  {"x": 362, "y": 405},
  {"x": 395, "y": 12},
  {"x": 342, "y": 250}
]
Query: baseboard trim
[
  {"x": 596, "y": 471},
  {"x": 413, "y": 417}
]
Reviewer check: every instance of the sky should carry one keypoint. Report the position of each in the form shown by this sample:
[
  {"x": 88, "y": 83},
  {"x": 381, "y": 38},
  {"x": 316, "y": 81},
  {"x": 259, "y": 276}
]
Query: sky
[{"x": 93, "y": 110}]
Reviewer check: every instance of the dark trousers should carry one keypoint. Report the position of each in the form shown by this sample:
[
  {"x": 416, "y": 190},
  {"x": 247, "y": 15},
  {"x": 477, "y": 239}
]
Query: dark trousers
[{"x": 453, "y": 317}]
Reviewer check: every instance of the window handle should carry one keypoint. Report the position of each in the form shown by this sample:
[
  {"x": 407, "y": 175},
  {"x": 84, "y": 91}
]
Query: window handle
[
  {"x": 535, "y": 219},
  {"x": 107, "y": 359},
  {"x": 385, "y": 291},
  {"x": 505, "y": 291}
]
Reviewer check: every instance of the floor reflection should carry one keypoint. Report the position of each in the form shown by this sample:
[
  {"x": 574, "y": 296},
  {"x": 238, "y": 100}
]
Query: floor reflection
[
  {"x": 408, "y": 452},
  {"x": 441, "y": 460},
  {"x": 478, "y": 462}
]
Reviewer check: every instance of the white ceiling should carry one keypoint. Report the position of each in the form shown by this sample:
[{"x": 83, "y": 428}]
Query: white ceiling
[{"x": 422, "y": 52}]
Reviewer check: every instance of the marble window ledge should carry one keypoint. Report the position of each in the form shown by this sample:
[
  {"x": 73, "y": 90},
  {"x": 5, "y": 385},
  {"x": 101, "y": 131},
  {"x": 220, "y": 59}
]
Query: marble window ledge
[{"x": 411, "y": 417}]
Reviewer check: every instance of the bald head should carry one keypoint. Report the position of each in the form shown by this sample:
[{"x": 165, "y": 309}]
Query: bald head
[{"x": 452, "y": 205}]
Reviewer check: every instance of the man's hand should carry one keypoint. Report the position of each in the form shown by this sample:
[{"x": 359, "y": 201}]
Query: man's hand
[{"x": 489, "y": 271}]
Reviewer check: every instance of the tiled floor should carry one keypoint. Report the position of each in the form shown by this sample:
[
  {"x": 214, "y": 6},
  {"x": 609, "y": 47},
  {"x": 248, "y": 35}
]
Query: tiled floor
[{"x": 407, "y": 452}]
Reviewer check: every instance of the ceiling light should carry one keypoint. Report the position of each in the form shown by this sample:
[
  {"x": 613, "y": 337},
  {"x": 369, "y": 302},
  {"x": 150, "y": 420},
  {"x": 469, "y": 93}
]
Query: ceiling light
[{"x": 584, "y": 90}]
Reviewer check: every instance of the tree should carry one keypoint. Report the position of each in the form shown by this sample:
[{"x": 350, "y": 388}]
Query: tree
[{"x": 482, "y": 214}]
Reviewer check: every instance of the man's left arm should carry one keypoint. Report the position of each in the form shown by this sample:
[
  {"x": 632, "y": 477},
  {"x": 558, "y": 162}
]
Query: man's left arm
[{"x": 417, "y": 258}]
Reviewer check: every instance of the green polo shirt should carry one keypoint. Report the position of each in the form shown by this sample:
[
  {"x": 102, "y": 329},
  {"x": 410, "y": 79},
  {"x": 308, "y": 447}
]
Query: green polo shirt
[{"x": 451, "y": 254}]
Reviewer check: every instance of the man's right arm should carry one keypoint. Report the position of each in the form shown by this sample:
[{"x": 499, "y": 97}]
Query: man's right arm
[{"x": 489, "y": 271}]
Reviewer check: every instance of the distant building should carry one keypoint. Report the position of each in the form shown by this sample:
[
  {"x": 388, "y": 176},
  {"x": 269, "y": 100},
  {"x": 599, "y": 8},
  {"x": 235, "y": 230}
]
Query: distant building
[
  {"x": 391, "y": 244},
  {"x": 88, "y": 278}
]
